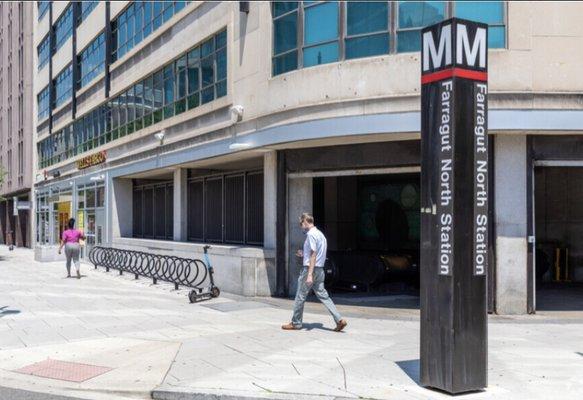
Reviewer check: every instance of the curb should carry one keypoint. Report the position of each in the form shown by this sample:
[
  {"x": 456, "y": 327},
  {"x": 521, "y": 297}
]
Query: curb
[{"x": 185, "y": 394}]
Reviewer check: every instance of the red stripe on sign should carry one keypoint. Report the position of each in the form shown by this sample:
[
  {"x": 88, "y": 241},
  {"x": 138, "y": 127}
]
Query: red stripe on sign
[{"x": 454, "y": 72}]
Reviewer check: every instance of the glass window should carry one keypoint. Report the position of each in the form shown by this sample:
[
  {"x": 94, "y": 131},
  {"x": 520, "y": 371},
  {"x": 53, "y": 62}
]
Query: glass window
[
  {"x": 63, "y": 84},
  {"x": 44, "y": 52},
  {"x": 86, "y": 8},
  {"x": 488, "y": 12},
  {"x": 367, "y": 25},
  {"x": 285, "y": 33},
  {"x": 207, "y": 67},
  {"x": 138, "y": 21},
  {"x": 148, "y": 96},
  {"x": 322, "y": 54},
  {"x": 139, "y": 99},
  {"x": 63, "y": 28},
  {"x": 413, "y": 16},
  {"x": 168, "y": 84},
  {"x": 100, "y": 196},
  {"x": 321, "y": 26},
  {"x": 367, "y": 29},
  {"x": 130, "y": 104},
  {"x": 183, "y": 84},
  {"x": 43, "y": 103},
  {"x": 43, "y": 7},
  {"x": 285, "y": 36},
  {"x": 320, "y": 23},
  {"x": 92, "y": 60},
  {"x": 283, "y": 7},
  {"x": 90, "y": 198}
]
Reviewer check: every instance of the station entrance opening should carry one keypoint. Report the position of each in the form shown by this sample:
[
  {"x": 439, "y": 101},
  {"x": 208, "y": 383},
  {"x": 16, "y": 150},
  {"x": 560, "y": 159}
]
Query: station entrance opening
[
  {"x": 372, "y": 223},
  {"x": 558, "y": 205}
]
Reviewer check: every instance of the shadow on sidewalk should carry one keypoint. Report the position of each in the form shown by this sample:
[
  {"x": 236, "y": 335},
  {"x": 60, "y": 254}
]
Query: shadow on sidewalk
[
  {"x": 318, "y": 325},
  {"x": 411, "y": 368}
]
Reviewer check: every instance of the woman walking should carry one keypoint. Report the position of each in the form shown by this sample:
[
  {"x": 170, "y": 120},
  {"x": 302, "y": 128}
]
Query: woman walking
[{"x": 70, "y": 240}]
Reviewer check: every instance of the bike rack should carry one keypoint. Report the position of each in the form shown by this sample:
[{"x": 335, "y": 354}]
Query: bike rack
[{"x": 187, "y": 272}]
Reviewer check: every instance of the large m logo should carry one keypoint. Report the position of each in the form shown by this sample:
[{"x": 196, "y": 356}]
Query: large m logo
[{"x": 463, "y": 40}]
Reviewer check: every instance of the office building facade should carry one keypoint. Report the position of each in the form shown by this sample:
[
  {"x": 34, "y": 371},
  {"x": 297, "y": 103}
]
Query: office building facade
[
  {"x": 164, "y": 126},
  {"x": 16, "y": 126}
]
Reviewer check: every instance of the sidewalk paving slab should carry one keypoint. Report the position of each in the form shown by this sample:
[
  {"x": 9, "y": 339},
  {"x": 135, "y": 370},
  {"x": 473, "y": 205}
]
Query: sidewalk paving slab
[{"x": 160, "y": 346}]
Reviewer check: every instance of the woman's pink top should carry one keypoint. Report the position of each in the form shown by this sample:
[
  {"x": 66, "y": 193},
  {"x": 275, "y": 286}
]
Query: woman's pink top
[{"x": 72, "y": 236}]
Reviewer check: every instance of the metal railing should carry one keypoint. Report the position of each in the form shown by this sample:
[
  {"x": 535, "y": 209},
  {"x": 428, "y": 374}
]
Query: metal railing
[{"x": 188, "y": 272}]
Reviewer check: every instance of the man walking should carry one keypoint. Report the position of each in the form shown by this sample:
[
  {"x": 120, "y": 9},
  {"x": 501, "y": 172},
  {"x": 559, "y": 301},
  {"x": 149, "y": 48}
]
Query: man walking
[{"x": 312, "y": 275}]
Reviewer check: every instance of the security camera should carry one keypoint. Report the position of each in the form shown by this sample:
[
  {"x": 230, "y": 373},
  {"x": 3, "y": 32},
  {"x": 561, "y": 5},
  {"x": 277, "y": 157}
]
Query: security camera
[
  {"x": 160, "y": 136},
  {"x": 237, "y": 112}
]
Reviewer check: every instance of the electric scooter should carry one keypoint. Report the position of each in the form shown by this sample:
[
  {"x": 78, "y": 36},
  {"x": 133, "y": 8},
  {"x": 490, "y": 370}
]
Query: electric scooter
[{"x": 200, "y": 294}]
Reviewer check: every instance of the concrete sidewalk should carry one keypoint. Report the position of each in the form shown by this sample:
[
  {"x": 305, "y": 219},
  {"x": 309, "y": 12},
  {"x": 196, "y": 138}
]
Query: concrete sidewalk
[{"x": 159, "y": 345}]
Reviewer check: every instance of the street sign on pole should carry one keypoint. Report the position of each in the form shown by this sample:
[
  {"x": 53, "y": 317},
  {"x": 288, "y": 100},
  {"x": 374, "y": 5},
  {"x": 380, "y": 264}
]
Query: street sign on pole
[{"x": 454, "y": 201}]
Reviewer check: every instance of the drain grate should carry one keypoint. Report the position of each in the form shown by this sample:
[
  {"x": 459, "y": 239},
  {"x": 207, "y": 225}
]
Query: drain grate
[{"x": 63, "y": 370}]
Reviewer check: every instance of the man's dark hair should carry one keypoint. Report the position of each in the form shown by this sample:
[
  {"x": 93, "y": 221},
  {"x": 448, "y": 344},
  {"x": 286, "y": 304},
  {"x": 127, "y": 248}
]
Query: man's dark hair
[{"x": 71, "y": 223}]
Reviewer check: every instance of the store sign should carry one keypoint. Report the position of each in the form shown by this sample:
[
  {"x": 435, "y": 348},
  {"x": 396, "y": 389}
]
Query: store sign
[
  {"x": 454, "y": 200},
  {"x": 91, "y": 160},
  {"x": 23, "y": 205}
]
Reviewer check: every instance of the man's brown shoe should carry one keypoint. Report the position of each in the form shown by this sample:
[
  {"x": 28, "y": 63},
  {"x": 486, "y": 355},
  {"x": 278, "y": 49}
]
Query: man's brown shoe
[
  {"x": 340, "y": 325},
  {"x": 290, "y": 327}
]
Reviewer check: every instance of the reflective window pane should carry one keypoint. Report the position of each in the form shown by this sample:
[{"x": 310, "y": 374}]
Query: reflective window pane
[
  {"x": 63, "y": 85},
  {"x": 496, "y": 37},
  {"x": 100, "y": 196},
  {"x": 282, "y": 7},
  {"x": 366, "y": 17},
  {"x": 63, "y": 28},
  {"x": 221, "y": 64},
  {"x": 367, "y": 46},
  {"x": 322, "y": 54},
  {"x": 419, "y": 14},
  {"x": 169, "y": 91},
  {"x": 285, "y": 33},
  {"x": 321, "y": 23},
  {"x": 207, "y": 47},
  {"x": 193, "y": 78},
  {"x": 207, "y": 65},
  {"x": 138, "y": 21},
  {"x": 221, "y": 39},
  {"x": 285, "y": 63},
  {"x": 408, "y": 41},
  {"x": 44, "y": 52},
  {"x": 488, "y": 12},
  {"x": 92, "y": 60}
]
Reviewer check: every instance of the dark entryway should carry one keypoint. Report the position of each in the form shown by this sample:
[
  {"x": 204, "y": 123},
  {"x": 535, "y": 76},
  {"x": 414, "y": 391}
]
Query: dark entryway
[
  {"x": 559, "y": 238},
  {"x": 372, "y": 224}
]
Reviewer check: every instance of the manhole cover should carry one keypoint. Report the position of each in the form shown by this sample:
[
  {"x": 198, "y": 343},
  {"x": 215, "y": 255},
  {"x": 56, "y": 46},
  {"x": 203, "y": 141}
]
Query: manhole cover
[{"x": 63, "y": 370}]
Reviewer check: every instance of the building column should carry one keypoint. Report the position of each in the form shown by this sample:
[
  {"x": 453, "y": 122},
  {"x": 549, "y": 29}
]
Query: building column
[
  {"x": 511, "y": 224},
  {"x": 180, "y": 207},
  {"x": 300, "y": 200},
  {"x": 121, "y": 208},
  {"x": 269, "y": 199}
]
